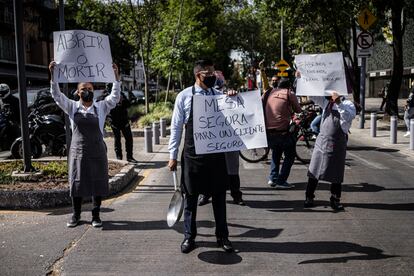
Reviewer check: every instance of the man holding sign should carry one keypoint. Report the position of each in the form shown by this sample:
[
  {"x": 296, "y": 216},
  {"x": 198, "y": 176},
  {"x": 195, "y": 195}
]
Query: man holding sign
[
  {"x": 201, "y": 173},
  {"x": 325, "y": 73},
  {"x": 88, "y": 161}
]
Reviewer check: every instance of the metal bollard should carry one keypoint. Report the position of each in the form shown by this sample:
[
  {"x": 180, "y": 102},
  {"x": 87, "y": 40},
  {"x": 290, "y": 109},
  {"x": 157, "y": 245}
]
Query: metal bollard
[
  {"x": 148, "y": 138},
  {"x": 156, "y": 133},
  {"x": 412, "y": 134},
  {"x": 373, "y": 124},
  {"x": 163, "y": 127},
  {"x": 393, "y": 130}
]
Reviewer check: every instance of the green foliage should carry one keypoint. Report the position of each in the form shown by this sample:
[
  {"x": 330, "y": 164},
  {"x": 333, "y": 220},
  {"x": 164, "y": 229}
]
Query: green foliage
[
  {"x": 53, "y": 169},
  {"x": 158, "y": 111}
]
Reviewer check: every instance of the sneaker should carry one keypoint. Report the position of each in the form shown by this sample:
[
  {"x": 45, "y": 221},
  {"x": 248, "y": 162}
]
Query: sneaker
[
  {"x": 203, "y": 200},
  {"x": 239, "y": 201},
  {"x": 96, "y": 222},
  {"x": 74, "y": 221},
  {"x": 284, "y": 185},
  {"x": 308, "y": 203},
  {"x": 271, "y": 183},
  {"x": 336, "y": 204},
  {"x": 407, "y": 134}
]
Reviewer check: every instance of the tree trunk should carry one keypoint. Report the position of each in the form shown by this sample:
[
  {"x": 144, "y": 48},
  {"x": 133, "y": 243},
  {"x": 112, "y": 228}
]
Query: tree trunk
[
  {"x": 397, "y": 66},
  {"x": 355, "y": 68}
]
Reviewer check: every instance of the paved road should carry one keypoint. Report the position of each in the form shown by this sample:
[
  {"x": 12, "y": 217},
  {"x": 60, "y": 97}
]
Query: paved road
[{"x": 273, "y": 233}]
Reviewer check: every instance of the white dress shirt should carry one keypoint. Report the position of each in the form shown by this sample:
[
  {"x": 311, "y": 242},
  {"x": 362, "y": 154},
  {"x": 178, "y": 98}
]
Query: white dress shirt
[
  {"x": 181, "y": 114},
  {"x": 70, "y": 107},
  {"x": 346, "y": 111}
]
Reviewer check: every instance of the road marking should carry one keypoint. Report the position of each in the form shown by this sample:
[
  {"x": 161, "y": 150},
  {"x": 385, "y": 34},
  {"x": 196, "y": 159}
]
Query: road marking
[{"x": 370, "y": 164}]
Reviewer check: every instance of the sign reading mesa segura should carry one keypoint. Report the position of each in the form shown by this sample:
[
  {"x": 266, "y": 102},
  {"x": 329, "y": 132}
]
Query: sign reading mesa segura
[
  {"x": 228, "y": 123},
  {"x": 82, "y": 56}
]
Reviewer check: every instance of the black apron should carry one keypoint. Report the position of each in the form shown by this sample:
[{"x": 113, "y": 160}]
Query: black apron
[
  {"x": 201, "y": 173},
  {"x": 88, "y": 162},
  {"x": 328, "y": 157}
]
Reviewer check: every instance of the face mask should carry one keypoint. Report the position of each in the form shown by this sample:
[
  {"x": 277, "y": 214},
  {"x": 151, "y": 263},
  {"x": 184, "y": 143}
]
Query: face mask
[
  {"x": 274, "y": 83},
  {"x": 209, "y": 81},
  {"x": 328, "y": 98},
  {"x": 86, "y": 95}
]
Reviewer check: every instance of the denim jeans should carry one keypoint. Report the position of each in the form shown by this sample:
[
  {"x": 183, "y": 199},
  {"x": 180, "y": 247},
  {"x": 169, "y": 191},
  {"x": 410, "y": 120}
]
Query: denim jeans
[
  {"x": 281, "y": 144},
  {"x": 315, "y": 125}
]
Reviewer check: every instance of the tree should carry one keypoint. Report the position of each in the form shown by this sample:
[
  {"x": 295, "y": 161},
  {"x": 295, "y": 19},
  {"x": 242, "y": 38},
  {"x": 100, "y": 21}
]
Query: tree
[{"x": 398, "y": 12}]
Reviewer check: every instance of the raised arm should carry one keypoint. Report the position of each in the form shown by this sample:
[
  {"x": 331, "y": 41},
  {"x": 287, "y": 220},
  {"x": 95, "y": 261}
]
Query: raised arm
[
  {"x": 112, "y": 99},
  {"x": 61, "y": 99}
]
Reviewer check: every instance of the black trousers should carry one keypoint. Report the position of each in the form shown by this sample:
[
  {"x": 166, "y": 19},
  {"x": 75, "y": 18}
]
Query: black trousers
[
  {"x": 127, "y": 133},
  {"x": 77, "y": 206},
  {"x": 336, "y": 188},
  {"x": 235, "y": 186},
  {"x": 190, "y": 214}
]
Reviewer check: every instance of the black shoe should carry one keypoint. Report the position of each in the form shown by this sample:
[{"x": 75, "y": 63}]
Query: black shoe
[
  {"x": 336, "y": 204},
  {"x": 239, "y": 201},
  {"x": 225, "y": 244},
  {"x": 132, "y": 160},
  {"x": 96, "y": 222},
  {"x": 203, "y": 200},
  {"x": 74, "y": 221},
  {"x": 308, "y": 203},
  {"x": 119, "y": 157},
  {"x": 187, "y": 246}
]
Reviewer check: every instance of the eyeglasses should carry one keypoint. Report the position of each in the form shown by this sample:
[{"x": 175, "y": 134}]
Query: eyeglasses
[{"x": 206, "y": 73}]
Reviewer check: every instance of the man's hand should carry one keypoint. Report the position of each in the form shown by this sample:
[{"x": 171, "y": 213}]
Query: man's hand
[
  {"x": 335, "y": 97},
  {"x": 52, "y": 67},
  {"x": 172, "y": 164},
  {"x": 261, "y": 65},
  {"x": 116, "y": 72},
  {"x": 231, "y": 92}
]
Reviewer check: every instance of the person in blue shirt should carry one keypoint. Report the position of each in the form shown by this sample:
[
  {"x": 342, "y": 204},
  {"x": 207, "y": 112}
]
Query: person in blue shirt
[{"x": 201, "y": 173}]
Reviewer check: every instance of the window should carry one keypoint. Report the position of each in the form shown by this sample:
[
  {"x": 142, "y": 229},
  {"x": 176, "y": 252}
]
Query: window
[{"x": 7, "y": 49}]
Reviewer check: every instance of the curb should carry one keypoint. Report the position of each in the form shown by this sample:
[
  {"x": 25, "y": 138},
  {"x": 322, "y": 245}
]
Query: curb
[{"x": 56, "y": 198}]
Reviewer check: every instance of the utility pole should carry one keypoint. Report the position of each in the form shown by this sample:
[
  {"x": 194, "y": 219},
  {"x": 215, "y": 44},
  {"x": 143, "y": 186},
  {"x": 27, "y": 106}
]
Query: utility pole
[
  {"x": 281, "y": 39},
  {"x": 65, "y": 85},
  {"x": 21, "y": 80}
]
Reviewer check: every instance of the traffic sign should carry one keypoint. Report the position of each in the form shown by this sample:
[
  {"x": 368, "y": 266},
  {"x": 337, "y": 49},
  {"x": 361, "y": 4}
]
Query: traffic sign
[
  {"x": 283, "y": 74},
  {"x": 364, "y": 53},
  {"x": 366, "y": 19},
  {"x": 282, "y": 65},
  {"x": 365, "y": 40}
]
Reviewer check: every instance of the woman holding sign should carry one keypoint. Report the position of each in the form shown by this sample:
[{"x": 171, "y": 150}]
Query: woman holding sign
[{"x": 88, "y": 162}]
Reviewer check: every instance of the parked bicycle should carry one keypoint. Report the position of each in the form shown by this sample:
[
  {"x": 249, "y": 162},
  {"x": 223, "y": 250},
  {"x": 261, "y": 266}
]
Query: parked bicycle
[{"x": 305, "y": 139}]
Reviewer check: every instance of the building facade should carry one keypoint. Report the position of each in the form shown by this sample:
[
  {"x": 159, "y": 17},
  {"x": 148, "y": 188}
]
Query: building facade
[{"x": 379, "y": 66}]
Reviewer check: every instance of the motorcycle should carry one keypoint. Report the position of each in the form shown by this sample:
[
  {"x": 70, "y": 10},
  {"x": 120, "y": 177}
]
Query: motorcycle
[
  {"x": 9, "y": 129},
  {"x": 45, "y": 130}
]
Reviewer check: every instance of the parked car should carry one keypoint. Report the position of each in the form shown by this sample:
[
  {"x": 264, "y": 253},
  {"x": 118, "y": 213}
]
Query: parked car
[{"x": 139, "y": 96}]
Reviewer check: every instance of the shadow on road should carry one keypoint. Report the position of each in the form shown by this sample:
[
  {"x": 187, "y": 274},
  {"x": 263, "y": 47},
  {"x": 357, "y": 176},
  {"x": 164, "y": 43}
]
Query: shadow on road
[
  {"x": 324, "y": 247},
  {"x": 297, "y": 206},
  {"x": 369, "y": 148}
]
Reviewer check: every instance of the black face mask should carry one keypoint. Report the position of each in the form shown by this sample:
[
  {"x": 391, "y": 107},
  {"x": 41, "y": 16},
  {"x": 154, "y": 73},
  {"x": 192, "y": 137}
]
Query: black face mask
[
  {"x": 328, "y": 98},
  {"x": 274, "y": 84},
  {"x": 209, "y": 81},
  {"x": 86, "y": 95}
]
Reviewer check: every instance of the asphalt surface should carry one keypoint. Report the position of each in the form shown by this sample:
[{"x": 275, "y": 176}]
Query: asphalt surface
[{"x": 273, "y": 234}]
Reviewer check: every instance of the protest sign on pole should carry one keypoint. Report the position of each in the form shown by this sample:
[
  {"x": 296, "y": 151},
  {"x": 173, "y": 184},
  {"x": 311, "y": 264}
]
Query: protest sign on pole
[
  {"x": 228, "y": 123},
  {"x": 82, "y": 56},
  {"x": 321, "y": 74}
]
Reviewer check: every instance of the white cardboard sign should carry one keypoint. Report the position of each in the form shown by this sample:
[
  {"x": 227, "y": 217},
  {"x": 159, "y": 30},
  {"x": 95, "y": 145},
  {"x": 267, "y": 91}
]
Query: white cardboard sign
[
  {"x": 228, "y": 123},
  {"x": 321, "y": 74},
  {"x": 82, "y": 56}
]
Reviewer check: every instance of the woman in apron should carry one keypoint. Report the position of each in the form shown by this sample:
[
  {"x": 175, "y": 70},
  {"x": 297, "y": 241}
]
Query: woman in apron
[
  {"x": 88, "y": 161},
  {"x": 201, "y": 173},
  {"x": 328, "y": 157}
]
